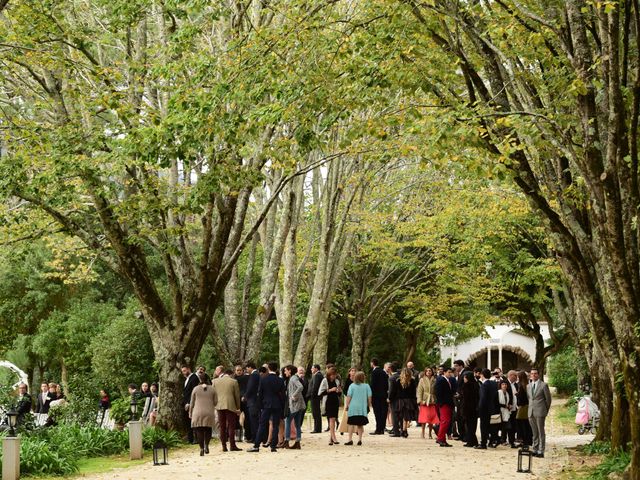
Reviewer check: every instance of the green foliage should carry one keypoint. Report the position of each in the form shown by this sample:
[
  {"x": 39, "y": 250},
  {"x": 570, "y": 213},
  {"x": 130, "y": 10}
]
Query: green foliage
[
  {"x": 597, "y": 447},
  {"x": 151, "y": 435},
  {"x": 122, "y": 353},
  {"x": 563, "y": 370},
  {"x": 39, "y": 457},
  {"x": 120, "y": 411},
  {"x": 614, "y": 462}
]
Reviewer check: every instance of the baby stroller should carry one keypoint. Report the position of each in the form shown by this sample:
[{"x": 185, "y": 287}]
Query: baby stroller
[{"x": 587, "y": 416}]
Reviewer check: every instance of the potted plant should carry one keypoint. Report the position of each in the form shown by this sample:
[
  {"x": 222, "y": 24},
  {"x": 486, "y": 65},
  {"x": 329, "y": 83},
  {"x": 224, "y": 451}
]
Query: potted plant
[{"x": 120, "y": 412}]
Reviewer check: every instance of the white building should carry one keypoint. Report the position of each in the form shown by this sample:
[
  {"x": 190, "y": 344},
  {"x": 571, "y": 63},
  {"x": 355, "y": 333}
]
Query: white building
[{"x": 502, "y": 345}]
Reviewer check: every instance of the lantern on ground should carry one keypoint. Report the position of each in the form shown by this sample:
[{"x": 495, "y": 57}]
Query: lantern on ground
[
  {"x": 160, "y": 453},
  {"x": 12, "y": 419},
  {"x": 524, "y": 456}
]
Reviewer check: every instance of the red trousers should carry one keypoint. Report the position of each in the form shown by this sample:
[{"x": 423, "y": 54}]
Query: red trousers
[
  {"x": 445, "y": 420},
  {"x": 227, "y": 421}
]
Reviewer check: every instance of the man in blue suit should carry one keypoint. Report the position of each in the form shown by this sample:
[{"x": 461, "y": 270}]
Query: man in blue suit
[
  {"x": 271, "y": 394},
  {"x": 379, "y": 389},
  {"x": 251, "y": 397},
  {"x": 488, "y": 405}
]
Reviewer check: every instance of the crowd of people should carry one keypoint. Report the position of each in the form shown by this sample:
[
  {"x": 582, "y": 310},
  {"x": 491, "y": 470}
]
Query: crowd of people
[{"x": 269, "y": 405}]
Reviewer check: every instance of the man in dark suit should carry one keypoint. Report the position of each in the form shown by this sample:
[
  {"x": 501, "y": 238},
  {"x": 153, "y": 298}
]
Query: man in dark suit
[
  {"x": 379, "y": 391},
  {"x": 445, "y": 389},
  {"x": 44, "y": 399},
  {"x": 243, "y": 379},
  {"x": 314, "y": 386},
  {"x": 271, "y": 393},
  {"x": 23, "y": 406},
  {"x": 488, "y": 405},
  {"x": 191, "y": 381},
  {"x": 251, "y": 399},
  {"x": 392, "y": 398}
]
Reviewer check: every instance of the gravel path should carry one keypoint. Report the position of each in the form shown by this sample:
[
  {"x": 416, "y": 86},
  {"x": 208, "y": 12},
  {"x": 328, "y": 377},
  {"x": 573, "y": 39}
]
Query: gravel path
[{"x": 381, "y": 456}]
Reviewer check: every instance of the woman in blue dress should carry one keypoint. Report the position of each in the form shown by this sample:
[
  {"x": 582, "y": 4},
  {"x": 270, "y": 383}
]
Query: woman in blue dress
[{"x": 357, "y": 405}]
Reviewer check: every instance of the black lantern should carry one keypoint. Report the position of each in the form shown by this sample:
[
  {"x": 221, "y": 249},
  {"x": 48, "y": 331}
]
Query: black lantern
[
  {"x": 12, "y": 418},
  {"x": 134, "y": 408},
  {"x": 160, "y": 453},
  {"x": 523, "y": 453}
]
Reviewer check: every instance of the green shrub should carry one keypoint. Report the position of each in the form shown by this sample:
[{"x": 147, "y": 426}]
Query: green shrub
[
  {"x": 563, "y": 370},
  {"x": 597, "y": 447},
  {"x": 614, "y": 462},
  {"x": 150, "y": 436}
]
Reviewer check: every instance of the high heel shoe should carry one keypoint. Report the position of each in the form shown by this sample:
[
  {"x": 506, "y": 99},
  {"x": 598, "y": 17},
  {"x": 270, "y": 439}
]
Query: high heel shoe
[
  {"x": 359, "y": 443},
  {"x": 336, "y": 442},
  {"x": 330, "y": 442},
  {"x": 350, "y": 442}
]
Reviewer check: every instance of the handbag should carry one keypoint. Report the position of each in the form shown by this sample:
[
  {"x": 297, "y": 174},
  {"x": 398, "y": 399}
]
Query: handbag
[
  {"x": 523, "y": 412},
  {"x": 495, "y": 419}
]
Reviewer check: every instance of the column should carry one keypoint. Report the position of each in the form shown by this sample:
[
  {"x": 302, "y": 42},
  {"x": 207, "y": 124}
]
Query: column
[
  {"x": 500, "y": 357},
  {"x": 489, "y": 356},
  {"x": 135, "y": 440},
  {"x": 10, "y": 458}
]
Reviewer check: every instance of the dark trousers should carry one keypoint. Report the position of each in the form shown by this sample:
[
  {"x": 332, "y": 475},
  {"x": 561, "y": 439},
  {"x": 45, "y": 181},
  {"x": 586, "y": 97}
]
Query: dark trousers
[
  {"x": 380, "y": 407},
  {"x": 227, "y": 421},
  {"x": 317, "y": 414},
  {"x": 187, "y": 420},
  {"x": 524, "y": 432},
  {"x": 395, "y": 419},
  {"x": 512, "y": 428},
  {"x": 267, "y": 414},
  {"x": 254, "y": 417},
  {"x": 471, "y": 424},
  {"x": 488, "y": 432},
  {"x": 247, "y": 422},
  {"x": 203, "y": 436},
  {"x": 459, "y": 423}
]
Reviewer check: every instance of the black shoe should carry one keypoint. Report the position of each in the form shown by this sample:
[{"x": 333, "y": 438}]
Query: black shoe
[
  {"x": 480, "y": 447},
  {"x": 376, "y": 433},
  {"x": 445, "y": 444},
  {"x": 253, "y": 449},
  {"x": 493, "y": 445},
  {"x": 274, "y": 449},
  {"x": 539, "y": 455},
  {"x": 315, "y": 431},
  {"x": 513, "y": 445},
  {"x": 327, "y": 429},
  {"x": 350, "y": 442},
  {"x": 359, "y": 443}
]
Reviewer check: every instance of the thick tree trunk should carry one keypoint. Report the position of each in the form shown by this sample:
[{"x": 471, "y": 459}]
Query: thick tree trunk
[{"x": 357, "y": 344}]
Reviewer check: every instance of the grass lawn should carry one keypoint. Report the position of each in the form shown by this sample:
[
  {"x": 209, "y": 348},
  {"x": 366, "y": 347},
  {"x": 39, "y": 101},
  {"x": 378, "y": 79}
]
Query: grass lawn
[{"x": 89, "y": 466}]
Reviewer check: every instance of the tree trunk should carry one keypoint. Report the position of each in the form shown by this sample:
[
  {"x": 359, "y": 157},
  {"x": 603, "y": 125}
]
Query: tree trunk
[{"x": 357, "y": 344}]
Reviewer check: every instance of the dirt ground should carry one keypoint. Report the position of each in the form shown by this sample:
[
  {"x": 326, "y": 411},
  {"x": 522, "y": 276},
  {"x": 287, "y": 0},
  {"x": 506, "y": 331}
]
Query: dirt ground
[{"x": 381, "y": 456}]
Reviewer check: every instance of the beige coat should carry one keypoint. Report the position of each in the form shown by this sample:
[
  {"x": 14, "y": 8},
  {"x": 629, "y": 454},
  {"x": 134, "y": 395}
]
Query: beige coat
[
  {"x": 227, "y": 393},
  {"x": 201, "y": 409},
  {"x": 426, "y": 391}
]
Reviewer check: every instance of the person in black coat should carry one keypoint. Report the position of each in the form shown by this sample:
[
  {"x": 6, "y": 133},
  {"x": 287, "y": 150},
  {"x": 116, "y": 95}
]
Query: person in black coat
[
  {"x": 470, "y": 396},
  {"x": 314, "y": 386},
  {"x": 191, "y": 381},
  {"x": 271, "y": 393},
  {"x": 251, "y": 398},
  {"x": 44, "y": 399},
  {"x": 393, "y": 399},
  {"x": 23, "y": 406},
  {"x": 445, "y": 390},
  {"x": 487, "y": 406},
  {"x": 379, "y": 389}
]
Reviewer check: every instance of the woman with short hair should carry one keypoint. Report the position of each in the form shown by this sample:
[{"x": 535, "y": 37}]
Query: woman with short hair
[
  {"x": 357, "y": 405},
  {"x": 202, "y": 413}
]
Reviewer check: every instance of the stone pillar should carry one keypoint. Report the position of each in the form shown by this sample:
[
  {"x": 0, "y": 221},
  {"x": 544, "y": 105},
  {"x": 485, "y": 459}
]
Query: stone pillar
[
  {"x": 135, "y": 440},
  {"x": 500, "y": 357},
  {"x": 10, "y": 458},
  {"x": 489, "y": 356}
]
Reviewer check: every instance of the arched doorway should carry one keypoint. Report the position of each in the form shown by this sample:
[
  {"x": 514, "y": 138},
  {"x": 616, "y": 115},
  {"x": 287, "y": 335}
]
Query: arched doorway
[{"x": 513, "y": 358}]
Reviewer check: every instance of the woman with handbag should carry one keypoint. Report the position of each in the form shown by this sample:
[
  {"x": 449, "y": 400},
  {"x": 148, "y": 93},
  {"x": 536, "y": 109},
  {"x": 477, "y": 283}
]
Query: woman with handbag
[
  {"x": 525, "y": 436},
  {"x": 427, "y": 414}
]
